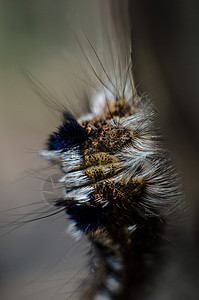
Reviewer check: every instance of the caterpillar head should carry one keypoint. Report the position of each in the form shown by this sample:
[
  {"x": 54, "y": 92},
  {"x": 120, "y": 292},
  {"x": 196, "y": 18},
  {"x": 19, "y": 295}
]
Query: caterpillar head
[{"x": 115, "y": 170}]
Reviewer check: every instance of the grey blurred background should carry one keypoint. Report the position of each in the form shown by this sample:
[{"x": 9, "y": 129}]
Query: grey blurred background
[{"x": 38, "y": 260}]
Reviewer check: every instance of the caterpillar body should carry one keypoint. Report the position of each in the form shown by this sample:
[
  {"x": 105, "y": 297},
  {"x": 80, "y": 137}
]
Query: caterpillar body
[{"x": 121, "y": 188}]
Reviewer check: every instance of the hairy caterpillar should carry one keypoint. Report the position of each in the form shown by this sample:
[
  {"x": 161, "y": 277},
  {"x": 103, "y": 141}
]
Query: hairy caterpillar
[
  {"x": 116, "y": 111},
  {"x": 121, "y": 188}
]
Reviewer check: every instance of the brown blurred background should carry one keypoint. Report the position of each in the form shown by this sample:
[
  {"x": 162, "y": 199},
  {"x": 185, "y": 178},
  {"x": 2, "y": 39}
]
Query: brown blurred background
[{"x": 165, "y": 40}]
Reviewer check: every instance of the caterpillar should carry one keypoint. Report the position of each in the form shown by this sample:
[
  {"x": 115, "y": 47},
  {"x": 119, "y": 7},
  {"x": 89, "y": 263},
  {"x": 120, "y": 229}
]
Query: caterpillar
[{"x": 121, "y": 187}]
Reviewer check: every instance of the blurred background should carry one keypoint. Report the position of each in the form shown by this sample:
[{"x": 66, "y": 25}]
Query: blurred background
[
  {"x": 38, "y": 260},
  {"x": 165, "y": 42}
]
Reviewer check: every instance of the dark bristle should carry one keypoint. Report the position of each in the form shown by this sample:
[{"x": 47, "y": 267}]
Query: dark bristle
[
  {"x": 86, "y": 217},
  {"x": 69, "y": 134}
]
